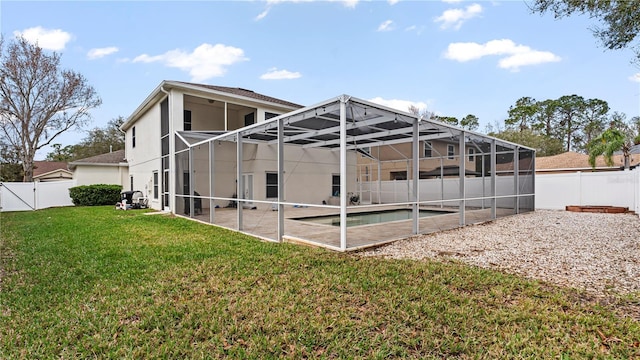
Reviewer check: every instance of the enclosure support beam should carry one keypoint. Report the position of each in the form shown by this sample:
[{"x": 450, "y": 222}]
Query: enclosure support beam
[
  {"x": 462, "y": 172},
  {"x": 280, "y": 180},
  {"x": 212, "y": 205},
  {"x": 408, "y": 171},
  {"x": 225, "y": 117},
  {"x": 484, "y": 157},
  {"x": 379, "y": 179},
  {"x": 441, "y": 182},
  {"x": 416, "y": 176},
  {"x": 191, "y": 181},
  {"x": 533, "y": 180},
  {"x": 343, "y": 173},
  {"x": 516, "y": 178},
  {"x": 239, "y": 181},
  {"x": 494, "y": 193}
]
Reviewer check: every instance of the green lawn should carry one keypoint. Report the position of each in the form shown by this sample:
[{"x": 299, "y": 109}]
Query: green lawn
[{"x": 96, "y": 282}]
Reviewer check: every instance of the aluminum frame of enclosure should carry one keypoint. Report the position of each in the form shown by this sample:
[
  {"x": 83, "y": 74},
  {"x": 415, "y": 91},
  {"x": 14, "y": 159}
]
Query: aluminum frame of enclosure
[{"x": 347, "y": 124}]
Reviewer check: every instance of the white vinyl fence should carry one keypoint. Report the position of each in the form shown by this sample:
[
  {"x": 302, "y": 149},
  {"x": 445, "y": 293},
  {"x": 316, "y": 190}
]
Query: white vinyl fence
[
  {"x": 447, "y": 191},
  {"x": 615, "y": 188},
  {"x": 34, "y": 195}
]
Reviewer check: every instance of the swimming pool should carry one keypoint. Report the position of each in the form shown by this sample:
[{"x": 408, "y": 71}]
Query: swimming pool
[{"x": 371, "y": 217}]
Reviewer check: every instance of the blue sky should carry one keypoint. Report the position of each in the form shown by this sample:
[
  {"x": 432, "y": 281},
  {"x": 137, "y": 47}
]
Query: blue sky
[{"x": 451, "y": 57}]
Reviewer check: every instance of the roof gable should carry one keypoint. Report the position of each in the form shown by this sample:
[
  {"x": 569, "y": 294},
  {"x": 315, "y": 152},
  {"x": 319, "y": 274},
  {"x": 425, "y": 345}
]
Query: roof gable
[{"x": 43, "y": 167}]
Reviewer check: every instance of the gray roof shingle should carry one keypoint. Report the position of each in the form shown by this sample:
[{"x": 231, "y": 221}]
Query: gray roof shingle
[{"x": 114, "y": 157}]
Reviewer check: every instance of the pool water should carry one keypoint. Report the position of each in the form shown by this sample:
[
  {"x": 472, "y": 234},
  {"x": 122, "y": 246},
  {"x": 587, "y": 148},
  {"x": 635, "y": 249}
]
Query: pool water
[{"x": 371, "y": 217}]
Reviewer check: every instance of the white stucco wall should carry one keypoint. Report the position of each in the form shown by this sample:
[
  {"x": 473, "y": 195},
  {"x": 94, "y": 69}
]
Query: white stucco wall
[
  {"x": 308, "y": 172},
  {"x": 101, "y": 174},
  {"x": 144, "y": 159}
]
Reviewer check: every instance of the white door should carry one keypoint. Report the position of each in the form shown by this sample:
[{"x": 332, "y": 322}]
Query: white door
[{"x": 247, "y": 180}]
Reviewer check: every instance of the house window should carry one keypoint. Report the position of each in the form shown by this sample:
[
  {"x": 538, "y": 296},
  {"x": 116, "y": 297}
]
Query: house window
[
  {"x": 398, "y": 175},
  {"x": 471, "y": 152},
  {"x": 155, "y": 185},
  {"x": 187, "y": 120},
  {"x": 268, "y": 115},
  {"x": 335, "y": 185},
  {"x": 450, "y": 151},
  {"x": 133, "y": 136},
  {"x": 272, "y": 185},
  {"x": 367, "y": 149},
  {"x": 249, "y": 119},
  {"x": 427, "y": 149},
  {"x": 131, "y": 181}
]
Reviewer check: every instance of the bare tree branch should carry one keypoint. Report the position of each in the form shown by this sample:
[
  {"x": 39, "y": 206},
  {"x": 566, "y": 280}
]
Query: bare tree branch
[{"x": 38, "y": 100}]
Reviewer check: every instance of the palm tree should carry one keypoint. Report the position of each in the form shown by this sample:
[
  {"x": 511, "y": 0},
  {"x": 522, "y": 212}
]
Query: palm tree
[{"x": 610, "y": 141}]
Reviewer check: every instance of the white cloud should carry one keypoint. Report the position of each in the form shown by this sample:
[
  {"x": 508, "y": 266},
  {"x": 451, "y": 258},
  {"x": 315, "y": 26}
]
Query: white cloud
[
  {"x": 49, "y": 39},
  {"x": 347, "y": 3},
  {"x": 392, "y": 2},
  {"x": 275, "y": 74},
  {"x": 386, "y": 26},
  {"x": 635, "y": 77},
  {"x": 513, "y": 56},
  {"x": 204, "y": 62},
  {"x": 101, "y": 52},
  {"x": 454, "y": 18},
  {"x": 451, "y": 1},
  {"x": 402, "y": 105},
  {"x": 263, "y": 14}
]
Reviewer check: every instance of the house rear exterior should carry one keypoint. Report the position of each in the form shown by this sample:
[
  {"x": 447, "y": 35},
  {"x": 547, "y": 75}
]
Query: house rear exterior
[{"x": 177, "y": 114}]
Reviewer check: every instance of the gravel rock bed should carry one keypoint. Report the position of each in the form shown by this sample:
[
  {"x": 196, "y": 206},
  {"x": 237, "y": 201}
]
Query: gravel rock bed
[{"x": 598, "y": 253}]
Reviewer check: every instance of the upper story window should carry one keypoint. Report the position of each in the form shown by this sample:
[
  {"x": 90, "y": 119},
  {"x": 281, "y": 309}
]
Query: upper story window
[
  {"x": 133, "y": 137},
  {"x": 249, "y": 119},
  {"x": 471, "y": 154},
  {"x": 451, "y": 151},
  {"x": 268, "y": 115},
  {"x": 187, "y": 120},
  {"x": 428, "y": 149}
]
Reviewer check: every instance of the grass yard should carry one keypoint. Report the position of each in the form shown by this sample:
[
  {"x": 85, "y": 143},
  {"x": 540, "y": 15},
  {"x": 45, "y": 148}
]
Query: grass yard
[{"x": 99, "y": 283}]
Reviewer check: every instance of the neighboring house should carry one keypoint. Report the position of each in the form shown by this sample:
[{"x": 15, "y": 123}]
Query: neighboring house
[
  {"x": 109, "y": 168},
  {"x": 438, "y": 158},
  {"x": 51, "y": 171},
  {"x": 572, "y": 162}
]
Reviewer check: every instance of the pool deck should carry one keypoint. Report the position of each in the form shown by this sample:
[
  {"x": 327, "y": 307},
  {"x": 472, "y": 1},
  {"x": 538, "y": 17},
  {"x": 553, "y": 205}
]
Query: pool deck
[{"x": 263, "y": 223}]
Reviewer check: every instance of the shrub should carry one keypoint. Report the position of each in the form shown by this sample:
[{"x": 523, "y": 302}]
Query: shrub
[{"x": 91, "y": 195}]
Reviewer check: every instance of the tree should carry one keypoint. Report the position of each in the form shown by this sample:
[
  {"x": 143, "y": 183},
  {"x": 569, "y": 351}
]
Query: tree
[
  {"x": 545, "y": 146},
  {"x": 545, "y": 118},
  {"x": 595, "y": 117},
  {"x": 10, "y": 167},
  {"x": 421, "y": 113},
  {"x": 38, "y": 100},
  {"x": 522, "y": 114},
  {"x": 98, "y": 141},
  {"x": 470, "y": 122},
  {"x": 610, "y": 141},
  {"x": 570, "y": 110},
  {"x": 447, "y": 120},
  {"x": 64, "y": 154},
  {"x": 621, "y": 19}
]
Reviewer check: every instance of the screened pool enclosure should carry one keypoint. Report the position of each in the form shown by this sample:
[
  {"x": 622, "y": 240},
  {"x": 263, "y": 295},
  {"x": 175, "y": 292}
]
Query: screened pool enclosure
[{"x": 346, "y": 159}]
